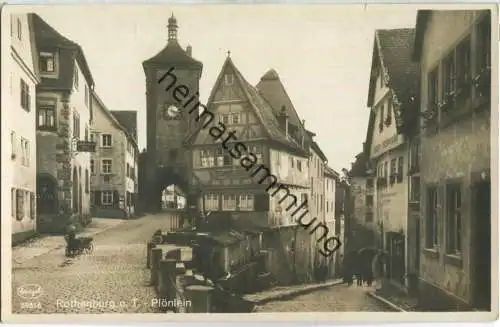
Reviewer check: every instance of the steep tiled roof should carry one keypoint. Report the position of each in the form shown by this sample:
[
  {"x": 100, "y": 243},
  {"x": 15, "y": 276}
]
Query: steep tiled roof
[
  {"x": 47, "y": 37},
  {"x": 262, "y": 109},
  {"x": 128, "y": 119},
  {"x": 392, "y": 53},
  {"x": 272, "y": 89},
  {"x": 396, "y": 48},
  {"x": 358, "y": 168},
  {"x": 173, "y": 54}
]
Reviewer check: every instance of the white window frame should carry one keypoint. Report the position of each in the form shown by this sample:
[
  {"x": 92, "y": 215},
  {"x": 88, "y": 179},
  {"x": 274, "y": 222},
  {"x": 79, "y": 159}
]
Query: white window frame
[
  {"x": 229, "y": 202},
  {"x": 211, "y": 201},
  {"x": 110, "y": 141},
  {"x": 50, "y": 56},
  {"x": 111, "y": 195},
  {"x": 103, "y": 166},
  {"x": 246, "y": 202},
  {"x": 235, "y": 119}
]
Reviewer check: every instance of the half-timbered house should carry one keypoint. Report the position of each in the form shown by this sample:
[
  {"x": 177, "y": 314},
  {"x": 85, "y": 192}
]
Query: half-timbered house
[{"x": 252, "y": 162}]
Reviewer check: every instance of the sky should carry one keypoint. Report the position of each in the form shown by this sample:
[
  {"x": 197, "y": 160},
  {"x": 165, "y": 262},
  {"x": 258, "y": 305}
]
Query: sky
[{"x": 322, "y": 54}]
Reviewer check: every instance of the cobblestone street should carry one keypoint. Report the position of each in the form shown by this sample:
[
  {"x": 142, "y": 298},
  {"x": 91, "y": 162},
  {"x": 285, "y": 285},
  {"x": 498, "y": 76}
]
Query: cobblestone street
[
  {"x": 113, "y": 278},
  {"x": 340, "y": 298}
]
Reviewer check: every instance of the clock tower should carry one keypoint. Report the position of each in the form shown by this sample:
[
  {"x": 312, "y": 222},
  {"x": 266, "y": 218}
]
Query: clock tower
[{"x": 172, "y": 83}]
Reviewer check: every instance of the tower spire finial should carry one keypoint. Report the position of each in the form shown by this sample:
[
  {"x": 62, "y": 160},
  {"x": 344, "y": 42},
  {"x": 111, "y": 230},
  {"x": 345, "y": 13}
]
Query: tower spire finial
[{"x": 172, "y": 28}]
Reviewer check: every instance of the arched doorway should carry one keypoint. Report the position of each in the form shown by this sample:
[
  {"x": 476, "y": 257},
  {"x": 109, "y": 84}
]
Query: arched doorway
[
  {"x": 46, "y": 195},
  {"x": 171, "y": 197}
]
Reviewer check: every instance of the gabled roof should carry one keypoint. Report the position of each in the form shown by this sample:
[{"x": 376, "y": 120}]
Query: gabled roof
[
  {"x": 272, "y": 89},
  {"x": 173, "y": 54},
  {"x": 331, "y": 173},
  {"x": 422, "y": 19},
  {"x": 46, "y": 35},
  {"x": 392, "y": 53},
  {"x": 319, "y": 152},
  {"x": 261, "y": 108},
  {"x": 128, "y": 119},
  {"x": 113, "y": 119},
  {"x": 393, "y": 49}
]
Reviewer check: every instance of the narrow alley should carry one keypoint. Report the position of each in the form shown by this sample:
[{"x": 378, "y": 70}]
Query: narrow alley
[
  {"x": 339, "y": 298},
  {"x": 113, "y": 278}
]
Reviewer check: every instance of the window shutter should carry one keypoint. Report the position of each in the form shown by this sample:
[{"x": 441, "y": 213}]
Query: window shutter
[{"x": 97, "y": 198}]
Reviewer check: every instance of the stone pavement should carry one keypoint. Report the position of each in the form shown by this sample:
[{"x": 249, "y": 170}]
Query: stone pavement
[
  {"x": 340, "y": 298},
  {"x": 46, "y": 243},
  {"x": 284, "y": 292},
  {"x": 111, "y": 279}
]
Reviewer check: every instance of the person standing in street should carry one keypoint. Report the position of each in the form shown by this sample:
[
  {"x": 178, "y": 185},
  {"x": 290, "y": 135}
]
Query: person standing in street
[{"x": 378, "y": 268}]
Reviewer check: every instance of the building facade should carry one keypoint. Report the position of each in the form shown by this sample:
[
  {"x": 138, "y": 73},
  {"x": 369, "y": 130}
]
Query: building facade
[
  {"x": 259, "y": 173},
  {"x": 113, "y": 165},
  {"x": 19, "y": 126},
  {"x": 172, "y": 84},
  {"x": 362, "y": 194},
  {"x": 331, "y": 178},
  {"x": 455, "y": 251},
  {"x": 392, "y": 93},
  {"x": 63, "y": 123}
]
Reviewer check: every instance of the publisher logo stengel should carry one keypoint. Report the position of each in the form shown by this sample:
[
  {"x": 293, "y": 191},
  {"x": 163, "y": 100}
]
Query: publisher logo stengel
[{"x": 29, "y": 291}]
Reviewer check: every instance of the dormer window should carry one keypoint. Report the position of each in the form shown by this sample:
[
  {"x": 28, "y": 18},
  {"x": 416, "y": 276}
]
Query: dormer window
[
  {"x": 47, "y": 62},
  {"x": 228, "y": 79}
]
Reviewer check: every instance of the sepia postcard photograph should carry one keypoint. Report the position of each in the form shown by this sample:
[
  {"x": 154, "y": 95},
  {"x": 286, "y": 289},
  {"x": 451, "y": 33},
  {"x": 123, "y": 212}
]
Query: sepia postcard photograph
[{"x": 331, "y": 163}]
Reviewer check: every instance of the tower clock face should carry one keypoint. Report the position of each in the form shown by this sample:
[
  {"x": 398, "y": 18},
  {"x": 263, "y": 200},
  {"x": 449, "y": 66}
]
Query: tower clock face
[{"x": 170, "y": 112}]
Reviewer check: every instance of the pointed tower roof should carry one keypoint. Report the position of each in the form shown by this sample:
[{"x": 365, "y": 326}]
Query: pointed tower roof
[{"x": 173, "y": 53}]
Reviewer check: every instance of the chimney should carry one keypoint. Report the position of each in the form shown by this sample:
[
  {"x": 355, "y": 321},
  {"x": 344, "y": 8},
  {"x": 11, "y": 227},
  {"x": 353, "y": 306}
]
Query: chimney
[
  {"x": 189, "y": 50},
  {"x": 284, "y": 119}
]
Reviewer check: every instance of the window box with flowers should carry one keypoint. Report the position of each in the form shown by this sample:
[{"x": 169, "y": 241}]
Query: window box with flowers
[
  {"x": 448, "y": 102},
  {"x": 430, "y": 116}
]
